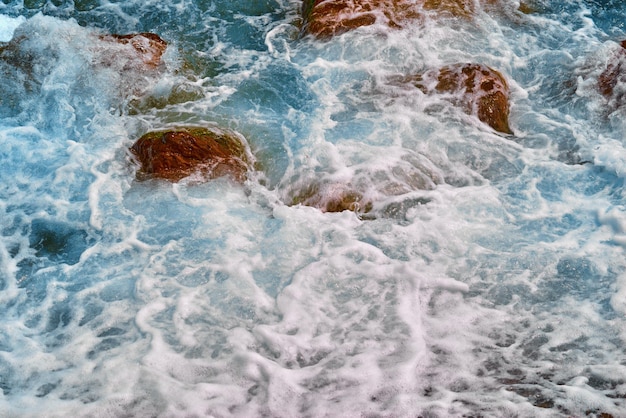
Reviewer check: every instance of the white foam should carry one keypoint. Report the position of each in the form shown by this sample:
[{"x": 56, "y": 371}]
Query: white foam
[
  {"x": 488, "y": 279},
  {"x": 8, "y": 26}
]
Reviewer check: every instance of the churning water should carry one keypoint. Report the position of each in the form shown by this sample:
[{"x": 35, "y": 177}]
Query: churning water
[{"x": 487, "y": 280}]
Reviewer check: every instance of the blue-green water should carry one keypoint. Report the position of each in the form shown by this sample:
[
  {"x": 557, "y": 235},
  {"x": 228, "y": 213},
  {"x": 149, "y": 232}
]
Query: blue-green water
[{"x": 488, "y": 280}]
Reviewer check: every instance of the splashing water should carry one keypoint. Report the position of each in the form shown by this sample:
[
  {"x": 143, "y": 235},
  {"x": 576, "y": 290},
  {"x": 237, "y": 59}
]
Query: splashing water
[{"x": 486, "y": 277}]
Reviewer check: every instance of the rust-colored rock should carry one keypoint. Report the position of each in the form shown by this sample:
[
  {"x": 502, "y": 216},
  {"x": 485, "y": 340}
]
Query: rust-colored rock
[
  {"x": 325, "y": 18},
  {"x": 615, "y": 72},
  {"x": 178, "y": 153},
  {"x": 147, "y": 47},
  {"x": 479, "y": 89}
]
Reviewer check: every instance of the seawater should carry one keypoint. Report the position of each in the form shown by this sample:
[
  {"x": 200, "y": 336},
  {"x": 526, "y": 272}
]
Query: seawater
[{"x": 488, "y": 280}]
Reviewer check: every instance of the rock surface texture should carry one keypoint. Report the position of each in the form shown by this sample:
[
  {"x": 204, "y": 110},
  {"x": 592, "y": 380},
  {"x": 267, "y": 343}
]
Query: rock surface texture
[
  {"x": 181, "y": 152},
  {"x": 615, "y": 75},
  {"x": 132, "y": 51},
  {"x": 477, "y": 88},
  {"x": 325, "y": 18}
]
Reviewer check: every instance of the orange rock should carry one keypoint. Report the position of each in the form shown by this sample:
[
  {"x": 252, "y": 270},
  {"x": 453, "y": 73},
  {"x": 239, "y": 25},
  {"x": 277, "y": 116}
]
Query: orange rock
[
  {"x": 325, "y": 18},
  {"x": 615, "y": 71},
  {"x": 481, "y": 90},
  {"x": 177, "y": 153}
]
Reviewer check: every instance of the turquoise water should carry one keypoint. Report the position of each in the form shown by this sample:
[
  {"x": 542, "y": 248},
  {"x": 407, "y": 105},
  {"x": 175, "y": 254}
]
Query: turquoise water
[{"x": 488, "y": 279}]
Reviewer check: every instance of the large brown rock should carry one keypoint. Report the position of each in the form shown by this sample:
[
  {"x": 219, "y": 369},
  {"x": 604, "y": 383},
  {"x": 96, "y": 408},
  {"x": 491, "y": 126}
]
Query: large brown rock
[
  {"x": 615, "y": 73},
  {"x": 178, "y": 153},
  {"x": 325, "y": 18},
  {"x": 479, "y": 89}
]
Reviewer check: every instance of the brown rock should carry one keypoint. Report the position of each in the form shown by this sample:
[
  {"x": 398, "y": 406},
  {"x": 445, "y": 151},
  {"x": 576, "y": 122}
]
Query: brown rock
[
  {"x": 325, "y": 18},
  {"x": 614, "y": 73},
  {"x": 459, "y": 8},
  {"x": 177, "y": 153},
  {"x": 480, "y": 90},
  {"x": 147, "y": 47},
  {"x": 527, "y": 7}
]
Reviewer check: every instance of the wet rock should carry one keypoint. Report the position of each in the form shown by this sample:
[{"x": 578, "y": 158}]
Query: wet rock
[
  {"x": 76, "y": 62},
  {"x": 534, "y": 394},
  {"x": 325, "y": 18},
  {"x": 374, "y": 188},
  {"x": 479, "y": 89},
  {"x": 528, "y": 7},
  {"x": 614, "y": 74},
  {"x": 177, "y": 153},
  {"x": 28, "y": 51},
  {"x": 333, "y": 197},
  {"x": 145, "y": 48},
  {"x": 459, "y": 8}
]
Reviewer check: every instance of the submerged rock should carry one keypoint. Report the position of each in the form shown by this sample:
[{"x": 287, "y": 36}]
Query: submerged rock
[
  {"x": 135, "y": 51},
  {"x": 177, "y": 153},
  {"x": 479, "y": 89},
  {"x": 333, "y": 197},
  {"x": 368, "y": 186},
  {"x": 57, "y": 241},
  {"x": 614, "y": 74},
  {"x": 76, "y": 65}
]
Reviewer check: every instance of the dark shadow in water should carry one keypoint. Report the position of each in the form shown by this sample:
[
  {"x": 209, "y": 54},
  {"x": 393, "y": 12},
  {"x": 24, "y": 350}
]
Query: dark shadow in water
[{"x": 57, "y": 241}]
